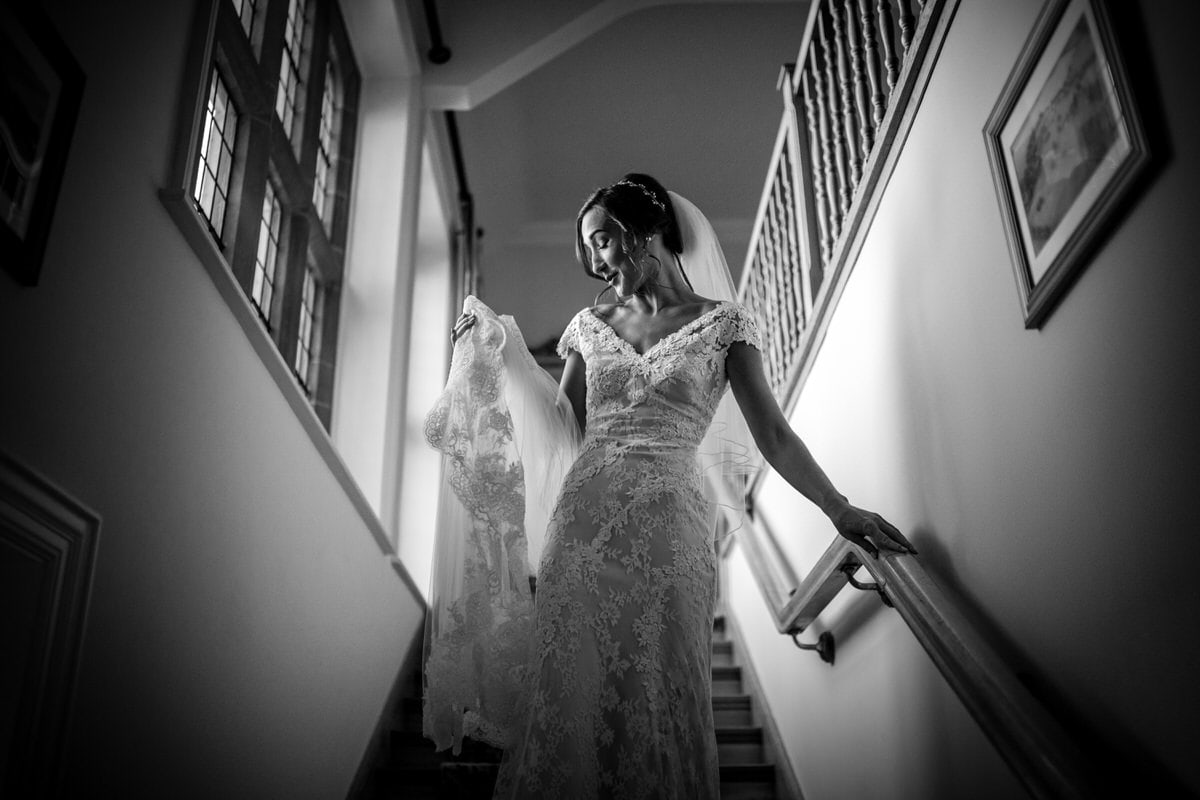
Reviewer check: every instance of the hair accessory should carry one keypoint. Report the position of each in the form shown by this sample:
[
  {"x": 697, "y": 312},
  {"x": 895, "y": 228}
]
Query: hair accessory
[{"x": 661, "y": 206}]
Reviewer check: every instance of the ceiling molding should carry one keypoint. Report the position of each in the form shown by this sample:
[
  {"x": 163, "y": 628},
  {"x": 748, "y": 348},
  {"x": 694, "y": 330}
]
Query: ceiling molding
[{"x": 464, "y": 97}]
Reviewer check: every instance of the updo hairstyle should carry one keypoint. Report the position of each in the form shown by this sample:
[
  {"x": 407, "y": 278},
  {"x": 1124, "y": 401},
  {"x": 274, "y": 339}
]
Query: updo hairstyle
[{"x": 641, "y": 208}]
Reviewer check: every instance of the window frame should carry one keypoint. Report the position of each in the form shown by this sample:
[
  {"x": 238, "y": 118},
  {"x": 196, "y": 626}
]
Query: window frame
[{"x": 264, "y": 151}]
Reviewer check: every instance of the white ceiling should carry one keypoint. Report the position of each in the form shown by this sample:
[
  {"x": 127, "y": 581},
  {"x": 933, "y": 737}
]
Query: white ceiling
[{"x": 563, "y": 96}]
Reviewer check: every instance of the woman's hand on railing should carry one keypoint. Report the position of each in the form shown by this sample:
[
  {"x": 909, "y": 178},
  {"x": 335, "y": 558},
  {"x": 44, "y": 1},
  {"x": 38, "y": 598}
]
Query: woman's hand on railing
[{"x": 869, "y": 531}]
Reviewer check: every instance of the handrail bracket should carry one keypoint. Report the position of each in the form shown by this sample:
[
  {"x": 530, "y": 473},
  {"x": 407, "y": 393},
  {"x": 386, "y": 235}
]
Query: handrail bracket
[{"x": 850, "y": 568}]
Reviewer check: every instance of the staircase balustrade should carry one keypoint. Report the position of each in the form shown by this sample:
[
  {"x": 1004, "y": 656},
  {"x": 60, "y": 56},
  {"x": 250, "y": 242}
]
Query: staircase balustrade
[{"x": 849, "y": 102}]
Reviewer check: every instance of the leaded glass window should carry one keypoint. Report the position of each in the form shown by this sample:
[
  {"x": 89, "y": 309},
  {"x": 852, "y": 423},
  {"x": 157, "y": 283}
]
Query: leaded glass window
[
  {"x": 211, "y": 188},
  {"x": 323, "y": 180},
  {"x": 262, "y": 291},
  {"x": 309, "y": 320},
  {"x": 270, "y": 202},
  {"x": 245, "y": 12},
  {"x": 289, "y": 66}
]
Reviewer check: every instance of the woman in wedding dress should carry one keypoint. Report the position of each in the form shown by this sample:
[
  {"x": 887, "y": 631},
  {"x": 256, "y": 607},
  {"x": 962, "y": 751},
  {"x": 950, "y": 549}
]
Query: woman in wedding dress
[{"x": 606, "y": 681}]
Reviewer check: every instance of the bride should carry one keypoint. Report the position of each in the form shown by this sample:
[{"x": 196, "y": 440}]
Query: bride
[{"x": 601, "y": 686}]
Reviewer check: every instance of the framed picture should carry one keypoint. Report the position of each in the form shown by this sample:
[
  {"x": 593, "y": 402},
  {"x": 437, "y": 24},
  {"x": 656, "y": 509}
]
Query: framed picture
[
  {"x": 40, "y": 87},
  {"x": 1065, "y": 146}
]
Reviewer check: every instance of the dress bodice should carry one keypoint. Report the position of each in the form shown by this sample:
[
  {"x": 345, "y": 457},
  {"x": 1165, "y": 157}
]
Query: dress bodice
[{"x": 666, "y": 396}]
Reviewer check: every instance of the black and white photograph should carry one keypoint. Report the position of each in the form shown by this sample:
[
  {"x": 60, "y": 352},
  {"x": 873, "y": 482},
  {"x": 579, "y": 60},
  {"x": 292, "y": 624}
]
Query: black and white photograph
[{"x": 599, "y": 399}]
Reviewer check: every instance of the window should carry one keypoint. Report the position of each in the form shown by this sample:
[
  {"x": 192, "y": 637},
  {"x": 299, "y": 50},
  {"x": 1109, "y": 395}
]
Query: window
[
  {"x": 245, "y": 11},
  {"x": 263, "y": 288},
  {"x": 264, "y": 203},
  {"x": 211, "y": 190},
  {"x": 305, "y": 340},
  {"x": 289, "y": 66},
  {"x": 327, "y": 136}
]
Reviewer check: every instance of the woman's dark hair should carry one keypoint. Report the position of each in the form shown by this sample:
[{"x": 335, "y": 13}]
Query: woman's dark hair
[{"x": 641, "y": 207}]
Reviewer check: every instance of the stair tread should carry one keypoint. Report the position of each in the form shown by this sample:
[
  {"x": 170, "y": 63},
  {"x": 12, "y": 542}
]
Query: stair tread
[
  {"x": 728, "y": 771},
  {"x": 739, "y": 733}
]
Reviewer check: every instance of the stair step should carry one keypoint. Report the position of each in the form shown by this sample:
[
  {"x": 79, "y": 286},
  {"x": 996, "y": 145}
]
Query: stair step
[
  {"x": 407, "y": 716},
  {"x": 722, "y": 654},
  {"x": 748, "y": 782},
  {"x": 740, "y": 745},
  {"x": 469, "y": 781},
  {"x": 732, "y": 709},
  {"x": 726, "y": 680},
  {"x": 719, "y": 629}
]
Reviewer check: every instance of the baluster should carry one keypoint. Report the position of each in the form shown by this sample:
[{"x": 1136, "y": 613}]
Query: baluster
[
  {"x": 785, "y": 261},
  {"x": 819, "y": 169},
  {"x": 832, "y": 185},
  {"x": 755, "y": 300},
  {"x": 843, "y": 74},
  {"x": 871, "y": 55},
  {"x": 834, "y": 111},
  {"x": 772, "y": 340},
  {"x": 787, "y": 268},
  {"x": 858, "y": 78},
  {"x": 795, "y": 261},
  {"x": 887, "y": 34},
  {"x": 772, "y": 287},
  {"x": 906, "y": 24}
]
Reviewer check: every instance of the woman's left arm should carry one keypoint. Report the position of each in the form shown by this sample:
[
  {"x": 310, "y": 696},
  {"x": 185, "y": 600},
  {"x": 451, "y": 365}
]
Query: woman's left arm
[{"x": 784, "y": 451}]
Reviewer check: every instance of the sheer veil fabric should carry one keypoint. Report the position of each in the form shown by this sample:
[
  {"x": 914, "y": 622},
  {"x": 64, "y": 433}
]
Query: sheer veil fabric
[
  {"x": 728, "y": 455},
  {"x": 515, "y": 466},
  {"x": 507, "y": 437}
]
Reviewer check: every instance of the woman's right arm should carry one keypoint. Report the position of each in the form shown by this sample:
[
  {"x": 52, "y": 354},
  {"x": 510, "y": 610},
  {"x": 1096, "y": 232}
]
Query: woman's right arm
[{"x": 574, "y": 387}]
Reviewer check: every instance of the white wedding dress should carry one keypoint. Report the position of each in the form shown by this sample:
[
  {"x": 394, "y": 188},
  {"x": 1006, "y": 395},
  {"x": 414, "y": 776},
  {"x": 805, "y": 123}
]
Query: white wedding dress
[{"x": 602, "y": 688}]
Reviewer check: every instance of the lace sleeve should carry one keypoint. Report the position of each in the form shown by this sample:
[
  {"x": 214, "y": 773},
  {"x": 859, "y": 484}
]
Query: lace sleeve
[
  {"x": 740, "y": 326},
  {"x": 570, "y": 338}
]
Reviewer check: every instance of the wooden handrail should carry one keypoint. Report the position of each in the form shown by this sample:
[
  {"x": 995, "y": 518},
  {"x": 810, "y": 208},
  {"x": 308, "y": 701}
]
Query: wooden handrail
[{"x": 1031, "y": 740}]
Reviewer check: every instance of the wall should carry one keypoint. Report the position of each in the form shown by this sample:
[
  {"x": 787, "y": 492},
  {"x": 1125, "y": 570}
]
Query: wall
[
  {"x": 1042, "y": 474},
  {"x": 245, "y": 627},
  {"x": 428, "y": 363}
]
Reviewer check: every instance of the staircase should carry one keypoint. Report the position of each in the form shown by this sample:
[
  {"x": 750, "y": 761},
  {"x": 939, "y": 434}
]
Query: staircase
[{"x": 410, "y": 769}]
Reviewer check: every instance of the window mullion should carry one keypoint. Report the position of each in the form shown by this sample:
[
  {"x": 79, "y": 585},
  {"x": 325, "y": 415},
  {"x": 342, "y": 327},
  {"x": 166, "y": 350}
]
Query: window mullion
[
  {"x": 344, "y": 160},
  {"x": 327, "y": 349},
  {"x": 252, "y": 177},
  {"x": 274, "y": 18},
  {"x": 314, "y": 82},
  {"x": 294, "y": 262}
]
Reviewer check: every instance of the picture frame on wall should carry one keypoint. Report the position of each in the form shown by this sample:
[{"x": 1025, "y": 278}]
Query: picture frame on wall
[
  {"x": 41, "y": 84},
  {"x": 1066, "y": 147}
]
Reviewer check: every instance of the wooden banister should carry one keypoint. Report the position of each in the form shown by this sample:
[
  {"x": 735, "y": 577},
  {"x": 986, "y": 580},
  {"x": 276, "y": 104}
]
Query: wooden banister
[{"x": 1043, "y": 756}]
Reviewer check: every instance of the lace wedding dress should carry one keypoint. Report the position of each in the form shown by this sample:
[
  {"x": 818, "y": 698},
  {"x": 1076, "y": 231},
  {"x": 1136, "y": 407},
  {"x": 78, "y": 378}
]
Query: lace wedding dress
[{"x": 611, "y": 696}]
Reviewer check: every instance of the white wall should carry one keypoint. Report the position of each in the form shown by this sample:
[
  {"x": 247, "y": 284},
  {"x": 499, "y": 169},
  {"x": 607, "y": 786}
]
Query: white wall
[
  {"x": 377, "y": 288},
  {"x": 428, "y": 359},
  {"x": 245, "y": 627},
  {"x": 1042, "y": 474}
]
